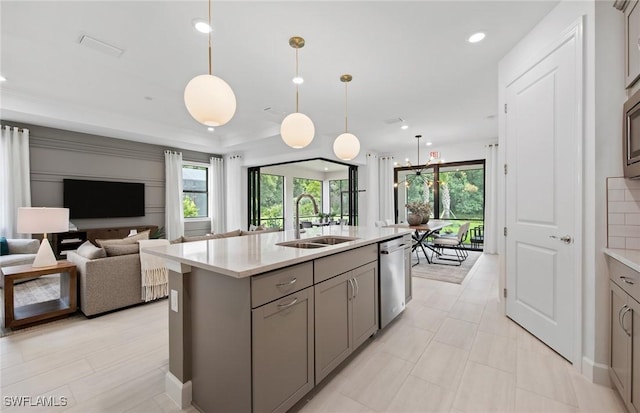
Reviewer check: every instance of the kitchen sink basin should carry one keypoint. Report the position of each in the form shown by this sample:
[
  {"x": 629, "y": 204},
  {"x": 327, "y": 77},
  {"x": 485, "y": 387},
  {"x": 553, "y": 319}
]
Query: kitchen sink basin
[
  {"x": 330, "y": 240},
  {"x": 317, "y": 242}
]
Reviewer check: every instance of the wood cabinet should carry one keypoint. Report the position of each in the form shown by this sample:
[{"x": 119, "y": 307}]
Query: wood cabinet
[
  {"x": 632, "y": 42},
  {"x": 346, "y": 308},
  {"x": 282, "y": 351},
  {"x": 624, "y": 357}
]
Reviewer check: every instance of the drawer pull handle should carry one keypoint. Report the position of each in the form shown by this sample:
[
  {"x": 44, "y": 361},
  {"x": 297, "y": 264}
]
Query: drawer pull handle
[
  {"x": 353, "y": 289},
  {"x": 293, "y": 281},
  {"x": 624, "y": 313},
  {"x": 627, "y": 280},
  {"x": 283, "y": 306}
]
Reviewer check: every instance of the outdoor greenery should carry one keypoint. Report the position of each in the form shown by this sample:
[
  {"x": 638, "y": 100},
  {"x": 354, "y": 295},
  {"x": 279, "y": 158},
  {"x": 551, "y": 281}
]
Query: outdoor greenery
[
  {"x": 272, "y": 200},
  {"x": 336, "y": 187},
  {"x": 190, "y": 210},
  {"x": 312, "y": 187}
]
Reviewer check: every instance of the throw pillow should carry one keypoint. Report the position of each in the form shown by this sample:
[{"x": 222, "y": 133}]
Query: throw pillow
[
  {"x": 201, "y": 237},
  {"x": 127, "y": 240},
  {"x": 4, "y": 246},
  {"x": 90, "y": 251},
  {"x": 122, "y": 249}
]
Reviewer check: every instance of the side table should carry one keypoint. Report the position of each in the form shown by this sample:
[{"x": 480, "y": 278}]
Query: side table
[{"x": 32, "y": 313}]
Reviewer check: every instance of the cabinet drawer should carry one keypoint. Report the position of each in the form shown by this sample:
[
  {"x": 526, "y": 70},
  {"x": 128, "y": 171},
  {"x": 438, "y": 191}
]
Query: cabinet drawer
[
  {"x": 278, "y": 283},
  {"x": 337, "y": 264},
  {"x": 625, "y": 277}
]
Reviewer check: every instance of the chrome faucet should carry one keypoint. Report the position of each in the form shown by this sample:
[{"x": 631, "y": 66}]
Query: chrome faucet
[{"x": 297, "y": 220}]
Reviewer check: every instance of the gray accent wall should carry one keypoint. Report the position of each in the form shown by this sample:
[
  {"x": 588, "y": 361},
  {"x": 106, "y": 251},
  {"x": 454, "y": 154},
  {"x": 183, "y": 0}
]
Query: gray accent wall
[{"x": 56, "y": 154}]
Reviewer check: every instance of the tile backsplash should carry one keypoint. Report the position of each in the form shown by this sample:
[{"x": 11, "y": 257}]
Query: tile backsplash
[{"x": 623, "y": 213}]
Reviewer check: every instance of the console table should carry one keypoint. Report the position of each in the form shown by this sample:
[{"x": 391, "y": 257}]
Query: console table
[{"x": 32, "y": 313}]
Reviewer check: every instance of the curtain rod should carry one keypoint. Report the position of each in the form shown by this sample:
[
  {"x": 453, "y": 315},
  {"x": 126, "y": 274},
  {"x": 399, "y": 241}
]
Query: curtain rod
[{"x": 13, "y": 127}]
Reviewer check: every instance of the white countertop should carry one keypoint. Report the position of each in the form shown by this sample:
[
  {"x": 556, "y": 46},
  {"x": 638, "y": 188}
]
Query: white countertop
[
  {"x": 630, "y": 258},
  {"x": 249, "y": 255}
]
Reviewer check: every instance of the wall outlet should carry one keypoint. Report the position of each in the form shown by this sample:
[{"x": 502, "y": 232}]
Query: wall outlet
[{"x": 174, "y": 300}]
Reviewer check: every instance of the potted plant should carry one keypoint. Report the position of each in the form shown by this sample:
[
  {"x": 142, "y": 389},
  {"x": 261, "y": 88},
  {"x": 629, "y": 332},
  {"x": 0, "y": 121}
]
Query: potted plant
[{"x": 419, "y": 213}]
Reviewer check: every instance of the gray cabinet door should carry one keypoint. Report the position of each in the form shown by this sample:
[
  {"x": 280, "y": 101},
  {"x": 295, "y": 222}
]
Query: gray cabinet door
[
  {"x": 407, "y": 275},
  {"x": 333, "y": 323},
  {"x": 619, "y": 361},
  {"x": 632, "y": 42},
  {"x": 283, "y": 355},
  {"x": 364, "y": 304},
  {"x": 632, "y": 325}
]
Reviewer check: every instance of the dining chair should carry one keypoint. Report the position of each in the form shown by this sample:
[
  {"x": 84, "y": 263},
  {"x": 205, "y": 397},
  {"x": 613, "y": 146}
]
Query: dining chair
[{"x": 454, "y": 243}]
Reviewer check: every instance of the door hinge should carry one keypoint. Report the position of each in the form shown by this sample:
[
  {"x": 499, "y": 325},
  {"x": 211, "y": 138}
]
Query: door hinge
[
  {"x": 505, "y": 231},
  {"x": 505, "y": 168},
  {"x": 504, "y": 292},
  {"x": 505, "y": 108}
]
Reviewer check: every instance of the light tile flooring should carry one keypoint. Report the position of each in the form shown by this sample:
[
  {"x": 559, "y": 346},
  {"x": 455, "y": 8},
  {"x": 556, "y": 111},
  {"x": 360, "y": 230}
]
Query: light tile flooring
[{"x": 451, "y": 351}]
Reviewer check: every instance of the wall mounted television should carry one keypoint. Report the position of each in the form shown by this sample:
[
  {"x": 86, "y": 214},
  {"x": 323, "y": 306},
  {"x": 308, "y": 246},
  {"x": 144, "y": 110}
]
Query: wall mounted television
[{"x": 103, "y": 199}]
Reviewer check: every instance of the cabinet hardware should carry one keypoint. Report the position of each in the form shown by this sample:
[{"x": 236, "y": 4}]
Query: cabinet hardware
[
  {"x": 624, "y": 313},
  {"x": 283, "y": 306},
  {"x": 352, "y": 289},
  {"x": 293, "y": 281},
  {"x": 355, "y": 281},
  {"x": 627, "y": 280}
]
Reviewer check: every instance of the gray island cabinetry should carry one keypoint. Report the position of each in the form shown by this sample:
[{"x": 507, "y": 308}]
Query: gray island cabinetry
[{"x": 254, "y": 326}]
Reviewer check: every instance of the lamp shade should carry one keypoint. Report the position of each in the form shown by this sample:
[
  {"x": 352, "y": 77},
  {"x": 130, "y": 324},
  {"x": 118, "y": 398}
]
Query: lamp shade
[
  {"x": 346, "y": 146},
  {"x": 210, "y": 100},
  {"x": 42, "y": 220},
  {"x": 297, "y": 130}
]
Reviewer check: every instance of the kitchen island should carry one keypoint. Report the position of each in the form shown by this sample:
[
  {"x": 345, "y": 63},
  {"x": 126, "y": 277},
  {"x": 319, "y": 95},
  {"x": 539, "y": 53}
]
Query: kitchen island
[{"x": 254, "y": 325}]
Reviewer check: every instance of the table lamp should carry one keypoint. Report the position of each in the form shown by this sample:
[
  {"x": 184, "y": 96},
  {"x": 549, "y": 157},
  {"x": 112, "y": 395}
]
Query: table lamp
[{"x": 43, "y": 221}]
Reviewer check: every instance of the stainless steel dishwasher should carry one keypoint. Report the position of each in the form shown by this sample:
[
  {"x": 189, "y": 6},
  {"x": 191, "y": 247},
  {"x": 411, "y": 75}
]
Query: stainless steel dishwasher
[{"x": 392, "y": 279}]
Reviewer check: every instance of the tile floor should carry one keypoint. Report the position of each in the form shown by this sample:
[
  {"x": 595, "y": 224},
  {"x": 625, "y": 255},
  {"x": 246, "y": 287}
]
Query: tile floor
[{"x": 451, "y": 351}]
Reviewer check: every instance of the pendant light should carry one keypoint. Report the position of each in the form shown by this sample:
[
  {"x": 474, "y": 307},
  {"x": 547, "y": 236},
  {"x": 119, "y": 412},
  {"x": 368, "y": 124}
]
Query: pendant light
[
  {"x": 209, "y": 99},
  {"x": 297, "y": 129},
  {"x": 347, "y": 145}
]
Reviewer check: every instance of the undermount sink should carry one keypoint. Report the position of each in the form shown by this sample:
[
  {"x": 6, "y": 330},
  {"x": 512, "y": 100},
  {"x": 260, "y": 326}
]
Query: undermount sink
[{"x": 317, "y": 242}]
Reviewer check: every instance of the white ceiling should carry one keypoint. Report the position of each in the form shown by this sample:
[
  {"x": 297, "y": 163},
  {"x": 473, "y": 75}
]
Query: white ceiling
[{"x": 408, "y": 59}]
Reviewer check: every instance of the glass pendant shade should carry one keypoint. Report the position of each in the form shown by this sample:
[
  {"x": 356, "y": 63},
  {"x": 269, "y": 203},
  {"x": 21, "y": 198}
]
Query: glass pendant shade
[
  {"x": 297, "y": 130},
  {"x": 346, "y": 146},
  {"x": 210, "y": 100}
]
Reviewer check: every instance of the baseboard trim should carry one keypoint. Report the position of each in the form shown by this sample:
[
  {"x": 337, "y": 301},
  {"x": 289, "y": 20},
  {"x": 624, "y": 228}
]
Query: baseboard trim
[
  {"x": 178, "y": 391},
  {"x": 596, "y": 372}
]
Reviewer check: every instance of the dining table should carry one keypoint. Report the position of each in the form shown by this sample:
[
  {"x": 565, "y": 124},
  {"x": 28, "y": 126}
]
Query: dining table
[{"x": 421, "y": 233}]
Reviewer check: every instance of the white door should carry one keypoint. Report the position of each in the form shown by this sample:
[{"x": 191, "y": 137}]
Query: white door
[{"x": 543, "y": 206}]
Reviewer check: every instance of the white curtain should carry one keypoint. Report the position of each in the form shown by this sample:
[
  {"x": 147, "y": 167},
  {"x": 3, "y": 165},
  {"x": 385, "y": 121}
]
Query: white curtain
[
  {"x": 234, "y": 192},
  {"x": 373, "y": 183},
  {"x": 217, "y": 195},
  {"x": 15, "y": 180},
  {"x": 174, "y": 216},
  {"x": 491, "y": 201},
  {"x": 387, "y": 207}
]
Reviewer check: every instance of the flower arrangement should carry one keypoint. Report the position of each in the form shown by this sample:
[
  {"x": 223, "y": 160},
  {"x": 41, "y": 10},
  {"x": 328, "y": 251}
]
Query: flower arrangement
[{"x": 421, "y": 208}]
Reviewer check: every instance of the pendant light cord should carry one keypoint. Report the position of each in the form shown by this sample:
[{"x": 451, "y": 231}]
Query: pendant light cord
[
  {"x": 210, "y": 31},
  {"x": 297, "y": 86},
  {"x": 346, "y": 108}
]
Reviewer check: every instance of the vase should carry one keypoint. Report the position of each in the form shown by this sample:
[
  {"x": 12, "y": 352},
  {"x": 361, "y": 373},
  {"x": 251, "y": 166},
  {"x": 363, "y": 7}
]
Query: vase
[
  {"x": 425, "y": 218},
  {"x": 414, "y": 219}
]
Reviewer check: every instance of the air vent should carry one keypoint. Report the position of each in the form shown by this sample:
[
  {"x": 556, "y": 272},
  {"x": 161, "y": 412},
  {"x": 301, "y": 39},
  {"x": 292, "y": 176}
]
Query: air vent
[
  {"x": 100, "y": 46},
  {"x": 394, "y": 120}
]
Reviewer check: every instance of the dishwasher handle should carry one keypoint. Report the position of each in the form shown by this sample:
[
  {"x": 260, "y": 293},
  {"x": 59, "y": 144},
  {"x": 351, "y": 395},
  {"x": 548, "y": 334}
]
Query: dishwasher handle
[{"x": 390, "y": 251}]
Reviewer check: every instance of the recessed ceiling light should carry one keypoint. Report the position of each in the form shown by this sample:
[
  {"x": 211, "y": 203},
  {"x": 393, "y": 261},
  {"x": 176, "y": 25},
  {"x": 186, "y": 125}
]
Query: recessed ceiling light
[
  {"x": 404, "y": 127},
  {"x": 211, "y": 129},
  {"x": 2, "y": 79},
  {"x": 202, "y": 26},
  {"x": 476, "y": 37},
  {"x": 326, "y": 169},
  {"x": 429, "y": 143},
  {"x": 298, "y": 80}
]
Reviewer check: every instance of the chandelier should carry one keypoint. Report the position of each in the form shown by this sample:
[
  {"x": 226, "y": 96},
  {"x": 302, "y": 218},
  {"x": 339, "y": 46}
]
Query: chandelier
[{"x": 419, "y": 177}]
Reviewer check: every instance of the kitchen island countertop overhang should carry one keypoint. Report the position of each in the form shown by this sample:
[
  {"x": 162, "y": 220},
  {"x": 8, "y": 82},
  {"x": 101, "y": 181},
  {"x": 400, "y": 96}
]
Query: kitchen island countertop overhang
[{"x": 254, "y": 254}]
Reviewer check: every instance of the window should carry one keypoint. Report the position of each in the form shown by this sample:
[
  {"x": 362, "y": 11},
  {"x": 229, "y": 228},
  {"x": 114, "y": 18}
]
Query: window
[
  {"x": 455, "y": 192},
  {"x": 272, "y": 201},
  {"x": 312, "y": 187},
  {"x": 338, "y": 198},
  {"x": 195, "y": 187}
]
